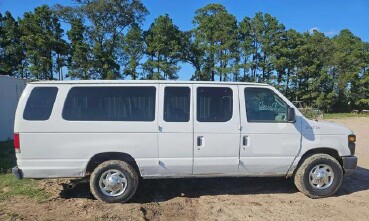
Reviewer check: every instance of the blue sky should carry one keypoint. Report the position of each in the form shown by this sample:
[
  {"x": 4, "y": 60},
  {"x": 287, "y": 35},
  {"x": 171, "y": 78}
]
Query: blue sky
[{"x": 328, "y": 16}]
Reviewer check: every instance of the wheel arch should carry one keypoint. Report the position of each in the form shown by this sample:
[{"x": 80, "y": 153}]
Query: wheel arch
[
  {"x": 319, "y": 150},
  {"x": 99, "y": 158}
]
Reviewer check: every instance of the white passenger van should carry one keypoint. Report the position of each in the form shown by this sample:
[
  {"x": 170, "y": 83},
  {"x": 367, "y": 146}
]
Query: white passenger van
[{"x": 114, "y": 132}]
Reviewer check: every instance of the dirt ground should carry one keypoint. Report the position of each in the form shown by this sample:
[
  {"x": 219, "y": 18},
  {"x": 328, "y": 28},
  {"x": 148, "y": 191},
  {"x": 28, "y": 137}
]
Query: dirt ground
[{"x": 208, "y": 199}]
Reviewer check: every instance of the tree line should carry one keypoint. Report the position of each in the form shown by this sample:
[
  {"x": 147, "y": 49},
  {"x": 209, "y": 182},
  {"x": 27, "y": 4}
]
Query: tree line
[{"x": 105, "y": 40}]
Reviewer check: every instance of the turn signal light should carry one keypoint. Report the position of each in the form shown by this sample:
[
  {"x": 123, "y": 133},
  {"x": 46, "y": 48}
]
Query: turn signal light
[{"x": 352, "y": 138}]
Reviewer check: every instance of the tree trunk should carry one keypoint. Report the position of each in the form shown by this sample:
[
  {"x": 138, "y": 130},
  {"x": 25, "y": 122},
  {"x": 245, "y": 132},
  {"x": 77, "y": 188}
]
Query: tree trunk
[
  {"x": 212, "y": 67},
  {"x": 244, "y": 68},
  {"x": 287, "y": 81},
  {"x": 51, "y": 66}
]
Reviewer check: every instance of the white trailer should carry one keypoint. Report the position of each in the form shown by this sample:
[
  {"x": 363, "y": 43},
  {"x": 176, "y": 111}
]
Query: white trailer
[{"x": 10, "y": 91}]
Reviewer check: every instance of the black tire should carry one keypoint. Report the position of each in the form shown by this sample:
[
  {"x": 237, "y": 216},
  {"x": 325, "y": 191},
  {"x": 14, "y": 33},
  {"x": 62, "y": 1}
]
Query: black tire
[
  {"x": 302, "y": 176},
  {"x": 124, "y": 168}
]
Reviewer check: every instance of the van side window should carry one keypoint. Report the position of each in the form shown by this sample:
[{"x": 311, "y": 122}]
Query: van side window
[
  {"x": 177, "y": 104},
  {"x": 214, "y": 104},
  {"x": 263, "y": 105},
  {"x": 110, "y": 104},
  {"x": 40, "y": 103}
]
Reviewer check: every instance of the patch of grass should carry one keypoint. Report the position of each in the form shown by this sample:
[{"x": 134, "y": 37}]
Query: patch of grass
[
  {"x": 7, "y": 156},
  {"x": 343, "y": 115},
  {"x": 10, "y": 186}
]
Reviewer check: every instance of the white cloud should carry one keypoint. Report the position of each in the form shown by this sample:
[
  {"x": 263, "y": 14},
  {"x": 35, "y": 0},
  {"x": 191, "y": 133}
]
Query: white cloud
[
  {"x": 330, "y": 33},
  {"x": 311, "y": 30}
]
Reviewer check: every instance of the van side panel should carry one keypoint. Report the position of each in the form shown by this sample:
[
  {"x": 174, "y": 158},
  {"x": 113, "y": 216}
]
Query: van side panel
[
  {"x": 67, "y": 154},
  {"x": 61, "y": 148}
]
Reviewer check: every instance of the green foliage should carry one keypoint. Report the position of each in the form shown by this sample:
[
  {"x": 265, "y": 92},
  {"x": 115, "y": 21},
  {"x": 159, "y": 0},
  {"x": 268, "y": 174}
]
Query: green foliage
[
  {"x": 311, "y": 113},
  {"x": 313, "y": 58},
  {"x": 78, "y": 64},
  {"x": 133, "y": 49},
  {"x": 286, "y": 60},
  {"x": 105, "y": 41},
  {"x": 193, "y": 54},
  {"x": 7, "y": 156},
  {"x": 104, "y": 26},
  {"x": 346, "y": 67},
  {"x": 216, "y": 34},
  {"x": 343, "y": 115},
  {"x": 12, "y": 52},
  {"x": 42, "y": 39},
  {"x": 163, "y": 44}
]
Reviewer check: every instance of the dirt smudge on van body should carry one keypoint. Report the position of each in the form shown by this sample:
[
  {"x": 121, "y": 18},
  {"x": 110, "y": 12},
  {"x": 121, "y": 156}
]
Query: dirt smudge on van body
[{"x": 207, "y": 198}]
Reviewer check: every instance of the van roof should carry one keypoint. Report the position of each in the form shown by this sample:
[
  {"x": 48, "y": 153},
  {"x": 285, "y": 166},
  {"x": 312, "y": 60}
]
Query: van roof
[{"x": 144, "y": 82}]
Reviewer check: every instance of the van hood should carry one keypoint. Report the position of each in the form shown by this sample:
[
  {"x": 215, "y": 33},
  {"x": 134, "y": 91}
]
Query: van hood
[{"x": 325, "y": 127}]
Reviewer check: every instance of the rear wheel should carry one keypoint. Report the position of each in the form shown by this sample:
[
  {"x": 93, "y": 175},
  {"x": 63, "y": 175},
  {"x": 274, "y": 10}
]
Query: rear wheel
[
  {"x": 114, "y": 181},
  {"x": 319, "y": 176}
]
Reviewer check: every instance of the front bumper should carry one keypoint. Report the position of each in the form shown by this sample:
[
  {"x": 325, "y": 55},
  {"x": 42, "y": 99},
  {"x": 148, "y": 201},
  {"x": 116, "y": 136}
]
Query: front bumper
[
  {"x": 17, "y": 172},
  {"x": 349, "y": 164}
]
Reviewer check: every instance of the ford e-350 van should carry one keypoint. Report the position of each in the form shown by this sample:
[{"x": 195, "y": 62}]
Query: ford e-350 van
[{"x": 114, "y": 132}]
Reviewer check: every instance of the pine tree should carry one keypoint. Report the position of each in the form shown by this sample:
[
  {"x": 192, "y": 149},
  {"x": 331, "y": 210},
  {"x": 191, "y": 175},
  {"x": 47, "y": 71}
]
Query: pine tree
[
  {"x": 133, "y": 50},
  {"x": 79, "y": 64},
  {"x": 42, "y": 38},
  {"x": 11, "y": 52},
  {"x": 163, "y": 44},
  {"x": 216, "y": 33},
  {"x": 106, "y": 22}
]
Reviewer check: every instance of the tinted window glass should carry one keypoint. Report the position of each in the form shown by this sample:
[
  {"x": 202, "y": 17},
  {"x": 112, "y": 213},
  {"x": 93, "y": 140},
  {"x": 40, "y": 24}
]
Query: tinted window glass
[
  {"x": 214, "y": 104},
  {"x": 110, "y": 104},
  {"x": 177, "y": 104},
  {"x": 264, "y": 105},
  {"x": 40, "y": 103}
]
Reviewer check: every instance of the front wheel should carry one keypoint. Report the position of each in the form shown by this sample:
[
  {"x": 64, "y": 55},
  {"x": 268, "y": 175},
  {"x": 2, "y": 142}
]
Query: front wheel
[
  {"x": 319, "y": 176},
  {"x": 114, "y": 181}
]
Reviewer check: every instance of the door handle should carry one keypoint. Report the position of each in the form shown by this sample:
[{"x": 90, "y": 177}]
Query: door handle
[
  {"x": 245, "y": 140},
  {"x": 200, "y": 141}
]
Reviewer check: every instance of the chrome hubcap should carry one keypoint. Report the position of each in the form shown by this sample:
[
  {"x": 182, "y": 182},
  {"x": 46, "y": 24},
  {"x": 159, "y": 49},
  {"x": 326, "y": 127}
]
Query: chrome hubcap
[
  {"x": 321, "y": 176},
  {"x": 112, "y": 183}
]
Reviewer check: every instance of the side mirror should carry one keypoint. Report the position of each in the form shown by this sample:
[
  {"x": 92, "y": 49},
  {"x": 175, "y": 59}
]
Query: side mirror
[{"x": 291, "y": 115}]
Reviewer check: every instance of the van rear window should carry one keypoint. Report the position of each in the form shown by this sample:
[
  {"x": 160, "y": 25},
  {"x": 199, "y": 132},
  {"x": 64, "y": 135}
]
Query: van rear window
[
  {"x": 40, "y": 103},
  {"x": 110, "y": 104}
]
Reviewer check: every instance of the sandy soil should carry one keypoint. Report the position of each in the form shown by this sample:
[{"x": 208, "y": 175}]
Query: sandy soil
[{"x": 208, "y": 199}]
